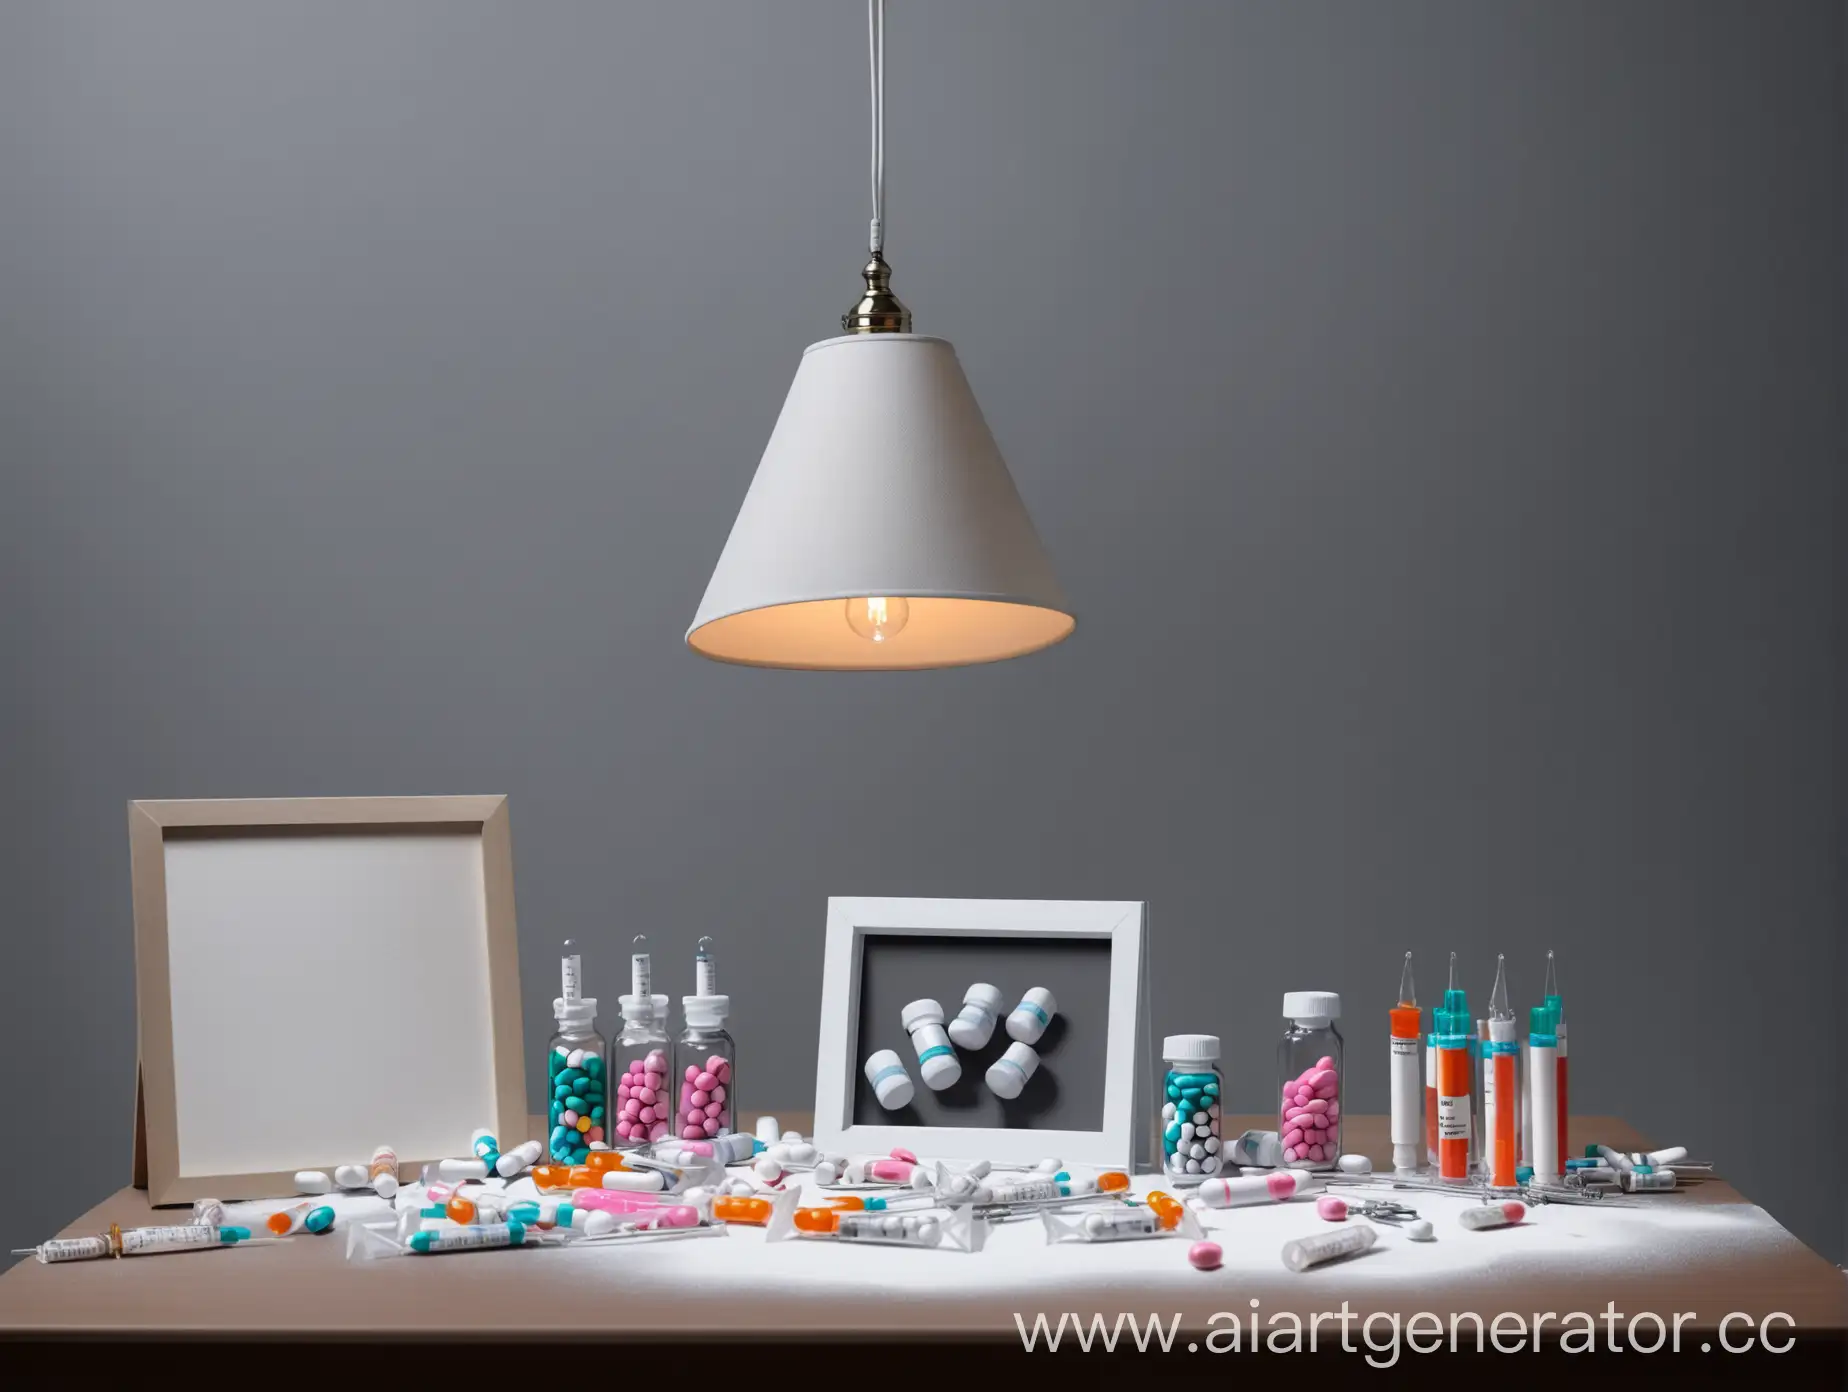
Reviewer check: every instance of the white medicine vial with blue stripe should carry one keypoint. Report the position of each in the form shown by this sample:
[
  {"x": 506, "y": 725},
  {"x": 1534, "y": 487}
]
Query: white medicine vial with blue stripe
[
  {"x": 1008, "y": 1074},
  {"x": 891, "y": 1084},
  {"x": 1032, "y": 1015},
  {"x": 937, "y": 1061}
]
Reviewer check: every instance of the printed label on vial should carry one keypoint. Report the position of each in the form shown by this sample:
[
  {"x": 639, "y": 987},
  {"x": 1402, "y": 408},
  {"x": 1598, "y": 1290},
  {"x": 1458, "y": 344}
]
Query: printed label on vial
[
  {"x": 166, "y": 1239},
  {"x": 1402, "y": 1047},
  {"x": 641, "y": 975},
  {"x": 1452, "y": 1118},
  {"x": 61, "y": 1249},
  {"x": 473, "y": 1237},
  {"x": 704, "y": 983},
  {"x": 574, "y": 978}
]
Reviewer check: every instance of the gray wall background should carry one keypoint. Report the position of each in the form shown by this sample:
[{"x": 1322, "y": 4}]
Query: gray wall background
[{"x": 1434, "y": 410}]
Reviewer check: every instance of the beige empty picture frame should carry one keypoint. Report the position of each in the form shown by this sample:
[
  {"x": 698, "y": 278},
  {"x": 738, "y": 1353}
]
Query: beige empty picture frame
[{"x": 315, "y": 977}]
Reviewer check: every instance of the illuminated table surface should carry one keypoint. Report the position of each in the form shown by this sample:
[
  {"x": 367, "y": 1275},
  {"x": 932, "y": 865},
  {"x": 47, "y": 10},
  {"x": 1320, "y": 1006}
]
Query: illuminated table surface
[{"x": 1705, "y": 1252}]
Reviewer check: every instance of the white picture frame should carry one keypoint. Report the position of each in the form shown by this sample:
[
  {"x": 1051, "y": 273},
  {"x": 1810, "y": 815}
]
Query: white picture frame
[
  {"x": 1123, "y": 923},
  {"x": 338, "y": 941}
]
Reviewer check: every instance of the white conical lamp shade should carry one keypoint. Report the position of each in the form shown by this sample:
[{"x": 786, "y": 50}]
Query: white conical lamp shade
[{"x": 880, "y": 480}]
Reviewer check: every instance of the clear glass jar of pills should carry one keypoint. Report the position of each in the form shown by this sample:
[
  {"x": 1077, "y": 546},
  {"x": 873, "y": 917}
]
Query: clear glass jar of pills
[
  {"x": 639, "y": 1062},
  {"x": 577, "y": 1070},
  {"x": 1190, "y": 1121},
  {"x": 702, "y": 1079},
  {"x": 1309, "y": 1067}
]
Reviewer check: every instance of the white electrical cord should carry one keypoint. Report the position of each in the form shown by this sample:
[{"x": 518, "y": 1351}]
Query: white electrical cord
[{"x": 875, "y": 44}]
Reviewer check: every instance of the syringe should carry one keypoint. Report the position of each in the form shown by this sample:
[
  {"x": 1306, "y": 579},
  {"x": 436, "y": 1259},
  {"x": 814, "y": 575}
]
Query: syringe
[
  {"x": 641, "y": 969},
  {"x": 705, "y": 974},
  {"x": 571, "y": 969},
  {"x": 141, "y": 1242},
  {"x": 1501, "y": 1096},
  {"x": 1406, "y": 1098}
]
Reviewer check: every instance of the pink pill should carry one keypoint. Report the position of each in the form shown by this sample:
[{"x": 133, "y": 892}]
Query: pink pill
[
  {"x": 1315, "y": 1104},
  {"x": 900, "y": 1153},
  {"x": 1317, "y": 1153},
  {"x": 595, "y": 1133},
  {"x": 1289, "y": 1153},
  {"x": 690, "y": 1132},
  {"x": 718, "y": 1092},
  {"x": 654, "y": 1077},
  {"x": 632, "y": 1109},
  {"x": 657, "y": 1059},
  {"x": 715, "y": 1109},
  {"x": 1292, "y": 1112},
  {"x": 649, "y": 1115},
  {"x": 1293, "y": 1137},
  {"x": 715, "y": 1063},
  {"x": 679, "y": 1216},
  {"x": 692, "y": 1071},
  {"x": 894, "y": 1171},
  {"x": 1303, "y": 1095},
  {"x": 569, "y": 1118},
  {"x": 723, "y": 1071},
  {"x": 700, "y": 1147},
  {"x": 658, "y": 1130},
  {"x": 1334, "y": 1110},
  {"x": 705, "y": 1082},
  {"x": 711, "y": 1128},
  {"x": 1331, "y": 1208},
  {"x": 1205, "y": 1256},
  {"x": 700, "y": 1097}
]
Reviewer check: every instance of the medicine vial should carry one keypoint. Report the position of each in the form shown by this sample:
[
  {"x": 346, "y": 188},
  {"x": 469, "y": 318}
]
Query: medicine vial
[
  {"x": 1407, "y": 1098},
  {"x": 704, "y": 1060},
  {"x": 1032, "y": 1015},
  {"x": 974, "y": 1025},
  {"x": 1190, "y": 1134},
  {"x": 1010, "y": 1073},
  {"x": 891, "y": 1084},
  {"x": 577, "y": 1065},
  {"x": 644, "y": 1107},
  {"x": 1306, "y": 1252},
  {"x": 1309, "y": 1066},
  {"x": 937, "y": 1062}
]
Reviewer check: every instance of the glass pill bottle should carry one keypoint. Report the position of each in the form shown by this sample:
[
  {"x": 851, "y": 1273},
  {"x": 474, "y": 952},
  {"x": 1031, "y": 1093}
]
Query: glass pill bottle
[
  {"x": 1190, "y": 1119},
  {"x": 577, "y": 1071},
  {"x": 1309, "y": 1069},
  {"x": 702, "y": 1078},
  {"x": 639, "y": 1062}
]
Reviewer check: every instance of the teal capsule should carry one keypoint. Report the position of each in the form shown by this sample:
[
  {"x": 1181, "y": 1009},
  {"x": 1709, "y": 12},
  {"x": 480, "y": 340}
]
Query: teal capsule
[
  {"x": 574, "y": 1103},
  {"x": 565, "y": 1214},
  {"x": 523, "y": 1213},
  {"x": 516, "y": 1233},
  {"x": 596, "y": 1114},
  {"x": 593, "y": 1065},
  {"x": 1210, "y": 1089},
  {"x": 570, "y": 1075},
  {"x": 319, "y": 1220},
  {"x": 1174, "y": 1092},
  {"x": 1172, "y": 1134},
  {"x": 554, "y": 1063},
  {"x": 230, "y": 1235},
  {"x": 561, "y": 1092}
]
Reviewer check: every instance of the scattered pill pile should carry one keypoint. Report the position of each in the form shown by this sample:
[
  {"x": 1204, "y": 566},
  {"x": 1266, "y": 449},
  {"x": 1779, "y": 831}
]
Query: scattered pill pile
[
  {"x": 1312, "y": 1115},
  {"x": 1190, "y": 1123},
  {"x": 576, "y": 1114},
  {"x": 703, "y": 1109},
  {"x": 642, "y": 1106}
]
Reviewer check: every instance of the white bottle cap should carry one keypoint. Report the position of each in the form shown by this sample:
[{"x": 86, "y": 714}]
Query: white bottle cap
[
  {"x": 1031, "y": 1017},
  {"x": 891, "y": 1084},
  {"x": 1191, "y": 1048},
  {"x": 1008, "y": 1074},
  {"x": 768, "y": 1130},
  {"x": 578, "y": 1015},
  {"x": 644, "y": 1010},
  {"x": 986, "y": 996},
  {"x": 704, "y": 1012},
  {"x": 1311, "y": 1007},
  {"x": 921, "y": 1012}
]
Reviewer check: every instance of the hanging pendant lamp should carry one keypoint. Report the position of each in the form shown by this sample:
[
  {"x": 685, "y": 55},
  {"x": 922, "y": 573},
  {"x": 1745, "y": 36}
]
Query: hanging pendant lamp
[{"x": 882, "y": 530}]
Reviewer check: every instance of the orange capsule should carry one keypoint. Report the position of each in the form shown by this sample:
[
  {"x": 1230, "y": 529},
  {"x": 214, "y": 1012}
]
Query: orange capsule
[
  {"x": 847, "y": 1201},
  {"x": 601, "y": 1160},
  {"x": 732, "y": 1209},
  {"x": 1112, "y": 1182},
  {"x": 1167, "y": 1208},
  {"x": 584, "y": 1177},
  {"x": 821, "y": 1220},
  {"x": 459, "y": 1209},
  {"x": 550, "y": 1179}
]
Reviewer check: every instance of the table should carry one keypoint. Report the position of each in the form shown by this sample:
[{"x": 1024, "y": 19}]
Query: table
[{"x": 1705, "y": 1252}]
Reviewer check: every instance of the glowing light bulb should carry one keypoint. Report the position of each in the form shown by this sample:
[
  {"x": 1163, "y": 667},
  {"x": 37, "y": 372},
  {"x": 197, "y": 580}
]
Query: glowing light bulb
[{"x": 878, "y": 617}]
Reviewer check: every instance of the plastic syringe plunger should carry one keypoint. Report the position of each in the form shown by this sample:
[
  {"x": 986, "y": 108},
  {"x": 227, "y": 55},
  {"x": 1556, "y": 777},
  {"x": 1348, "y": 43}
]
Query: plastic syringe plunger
[
  {"x": 1499, "y": 1009},
  {"x": 571, "y": 973}
]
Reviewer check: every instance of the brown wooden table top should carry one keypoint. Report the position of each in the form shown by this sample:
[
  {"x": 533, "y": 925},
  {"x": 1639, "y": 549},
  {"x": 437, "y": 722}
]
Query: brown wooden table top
[{"x": 308, "y": 1290}]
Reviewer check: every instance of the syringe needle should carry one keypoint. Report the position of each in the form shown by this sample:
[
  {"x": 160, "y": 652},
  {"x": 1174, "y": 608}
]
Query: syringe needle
[{"x": 1408, "y": 993}]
